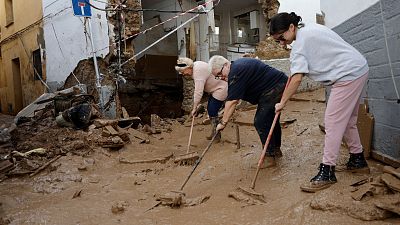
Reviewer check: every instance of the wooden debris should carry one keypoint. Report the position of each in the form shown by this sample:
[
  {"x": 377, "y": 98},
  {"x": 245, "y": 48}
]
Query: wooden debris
[
  {"x": 302, "y": 131},
  {"x": 77, "y": 194},
  {"x": 104, "y": 122},
  {"x": 6, "y": 166},
  {"x": 394, "y": 207},
  {"x": 241, "y": 197},
  {"x": 138, "y": 134},
  {"x": 360, "y": 182},
  {"x": 155, "y": 160},
  {"x": 196, "y": 201},
  {"x": 237, "y": 136},
  {"x": 125, "y": 113},
  {"x": 45, "y": 165},
  {"x": 365, "y": 125},
  {"x": 129, "y": 122},
  {"x": 173, "y": 199},
  {"x": 115, "y": 143},
  {"x": 391, "y": 181},
  {"x": 362, "y": 191},
  {"x": 111, "y": 129},
  {"x": 391, "y": 170}
]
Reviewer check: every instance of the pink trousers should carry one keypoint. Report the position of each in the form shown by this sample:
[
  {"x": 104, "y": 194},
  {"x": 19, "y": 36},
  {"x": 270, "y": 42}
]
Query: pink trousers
[{"x": 341, "y": 118}]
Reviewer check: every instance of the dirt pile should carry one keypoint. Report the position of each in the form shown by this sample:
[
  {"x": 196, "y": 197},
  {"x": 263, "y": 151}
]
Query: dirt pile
[{"x": 269, "y": 49}]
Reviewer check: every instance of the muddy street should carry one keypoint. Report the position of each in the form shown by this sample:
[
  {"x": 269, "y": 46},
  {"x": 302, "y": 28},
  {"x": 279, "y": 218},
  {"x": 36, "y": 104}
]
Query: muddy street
[{"x": 113, "y": 187}]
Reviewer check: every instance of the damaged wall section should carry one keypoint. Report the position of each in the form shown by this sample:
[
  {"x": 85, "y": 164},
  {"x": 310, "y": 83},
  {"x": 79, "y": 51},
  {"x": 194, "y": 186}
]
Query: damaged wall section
[{"x": 68, "y": 41}]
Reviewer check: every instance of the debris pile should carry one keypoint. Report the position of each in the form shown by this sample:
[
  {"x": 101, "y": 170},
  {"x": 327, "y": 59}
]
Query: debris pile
[
  {"x": 65, "y": 123},
  {"x": 269, "y": 49},
  {"x": 372, "y": 198}
]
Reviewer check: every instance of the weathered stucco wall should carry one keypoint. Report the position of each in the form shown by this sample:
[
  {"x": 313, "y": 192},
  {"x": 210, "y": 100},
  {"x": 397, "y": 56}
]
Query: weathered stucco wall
[
  {"x": 376, "y": 34},
  {"x": 18, "y": 41},
  {"x": 67, "y": 38}
]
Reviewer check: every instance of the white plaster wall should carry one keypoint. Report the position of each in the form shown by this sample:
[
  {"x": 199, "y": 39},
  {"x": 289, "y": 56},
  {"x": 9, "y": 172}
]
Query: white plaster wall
[
  {"x": 307, "y": 9},
  {"x": 73, "y": 43},
  {"x": 338, "y": 11}
]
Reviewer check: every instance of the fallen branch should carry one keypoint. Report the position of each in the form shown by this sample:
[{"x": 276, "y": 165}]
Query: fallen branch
[{"x": 45, "y": 165}]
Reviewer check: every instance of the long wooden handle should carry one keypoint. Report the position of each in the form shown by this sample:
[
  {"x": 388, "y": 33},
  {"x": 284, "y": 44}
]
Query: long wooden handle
[
  {"x": 199, "y": 160},
  {"x": 261, "y": 160},
  {"x": 190, "y": 135}
]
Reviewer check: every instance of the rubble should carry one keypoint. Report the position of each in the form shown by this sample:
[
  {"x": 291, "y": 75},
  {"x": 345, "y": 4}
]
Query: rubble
[{"x": 376, "y": 198}]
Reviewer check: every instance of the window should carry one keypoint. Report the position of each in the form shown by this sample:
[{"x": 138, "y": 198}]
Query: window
[
  {"x": 9, "y": 12},
  {"x": 240, "y": 33},
  {"x": 37, "y": 65}
]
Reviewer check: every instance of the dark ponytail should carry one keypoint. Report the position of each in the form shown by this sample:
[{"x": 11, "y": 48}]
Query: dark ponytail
[{"x": 281, "y": 22}]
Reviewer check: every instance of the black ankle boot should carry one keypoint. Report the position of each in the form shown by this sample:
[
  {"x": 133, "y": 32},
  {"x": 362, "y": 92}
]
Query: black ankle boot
[
  {"x": 325, "y": 178},
  {"x": 357, "y": 163}
]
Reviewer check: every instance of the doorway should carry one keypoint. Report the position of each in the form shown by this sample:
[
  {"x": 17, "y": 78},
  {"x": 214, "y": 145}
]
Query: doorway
[{"x": 17, "y": 84}]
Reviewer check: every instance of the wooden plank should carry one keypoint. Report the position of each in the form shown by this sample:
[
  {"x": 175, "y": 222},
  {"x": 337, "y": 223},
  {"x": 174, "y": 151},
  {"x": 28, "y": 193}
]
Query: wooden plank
[
  {"x": 365, "y": 125},
  {"x": 125, "y": 113},
  {"x": 111, "y": 129}
]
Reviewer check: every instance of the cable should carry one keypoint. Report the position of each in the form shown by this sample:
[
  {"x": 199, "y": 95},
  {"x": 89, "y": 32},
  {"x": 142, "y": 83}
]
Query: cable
[
  {"x": 34, "y": 69},
  {"x": 181, "y": 14},
  {"x": 62, "y": 53},
  {"x": 388, "y": 54},
  {"x": 171, "y": 32}
]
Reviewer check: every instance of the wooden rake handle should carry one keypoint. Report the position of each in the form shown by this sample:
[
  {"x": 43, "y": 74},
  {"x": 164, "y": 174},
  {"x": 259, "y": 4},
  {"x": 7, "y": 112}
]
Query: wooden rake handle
[
  {"x": 261, "y": 160},
  {"x": 190, "y": 135},
  {"x": 199, "y": 160}
]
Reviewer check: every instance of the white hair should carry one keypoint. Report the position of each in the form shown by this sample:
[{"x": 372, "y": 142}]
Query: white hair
[
  {"x": 217, "y": 62},
  {"x": 183, "y": 63}
]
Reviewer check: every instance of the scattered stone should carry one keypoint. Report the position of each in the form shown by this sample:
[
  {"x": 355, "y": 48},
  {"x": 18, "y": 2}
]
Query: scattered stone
[{"x": 119, "y": 207}]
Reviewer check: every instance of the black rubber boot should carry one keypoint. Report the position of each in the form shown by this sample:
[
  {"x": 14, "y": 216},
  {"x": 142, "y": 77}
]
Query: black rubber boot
[
  {"x": 357, "y": 163},
  {"x": 214, "y": 123},
  {"x": 324, "y": 179},
  {"x": 277, "y": 152}
]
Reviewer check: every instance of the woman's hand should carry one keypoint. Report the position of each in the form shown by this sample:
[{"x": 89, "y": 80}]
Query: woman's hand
[
  {"x": 194, "y": 112},
  {"x": 279, "y": 106},
  {"x": 220, "y": 127}
]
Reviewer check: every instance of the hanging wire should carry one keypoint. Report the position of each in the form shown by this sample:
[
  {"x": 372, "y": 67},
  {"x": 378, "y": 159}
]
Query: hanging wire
[
  {"x": 62, "y": 53},
  {"x": 174, "y": 17},
  {"x": 388, "y": 53},
  {"x": 34, "y": 69}
]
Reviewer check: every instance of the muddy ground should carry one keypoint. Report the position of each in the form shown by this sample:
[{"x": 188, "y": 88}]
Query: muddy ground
[{"x": 99, "y": 189}]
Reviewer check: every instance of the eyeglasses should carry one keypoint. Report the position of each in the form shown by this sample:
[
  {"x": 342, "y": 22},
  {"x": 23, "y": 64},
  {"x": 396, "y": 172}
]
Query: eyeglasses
[{"x": 219, "y": 74}]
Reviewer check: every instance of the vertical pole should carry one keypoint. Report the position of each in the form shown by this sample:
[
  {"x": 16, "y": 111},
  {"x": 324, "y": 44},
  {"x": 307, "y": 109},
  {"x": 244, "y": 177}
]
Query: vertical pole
[{"x": 96, "y": 68}]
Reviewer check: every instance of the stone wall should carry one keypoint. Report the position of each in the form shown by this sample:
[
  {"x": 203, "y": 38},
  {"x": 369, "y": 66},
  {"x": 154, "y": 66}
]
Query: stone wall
[{"x": 284, "y": 65}]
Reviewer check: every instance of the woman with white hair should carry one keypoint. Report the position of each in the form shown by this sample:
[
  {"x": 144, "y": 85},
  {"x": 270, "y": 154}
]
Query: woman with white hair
[{"x": 204, "y": 81}]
